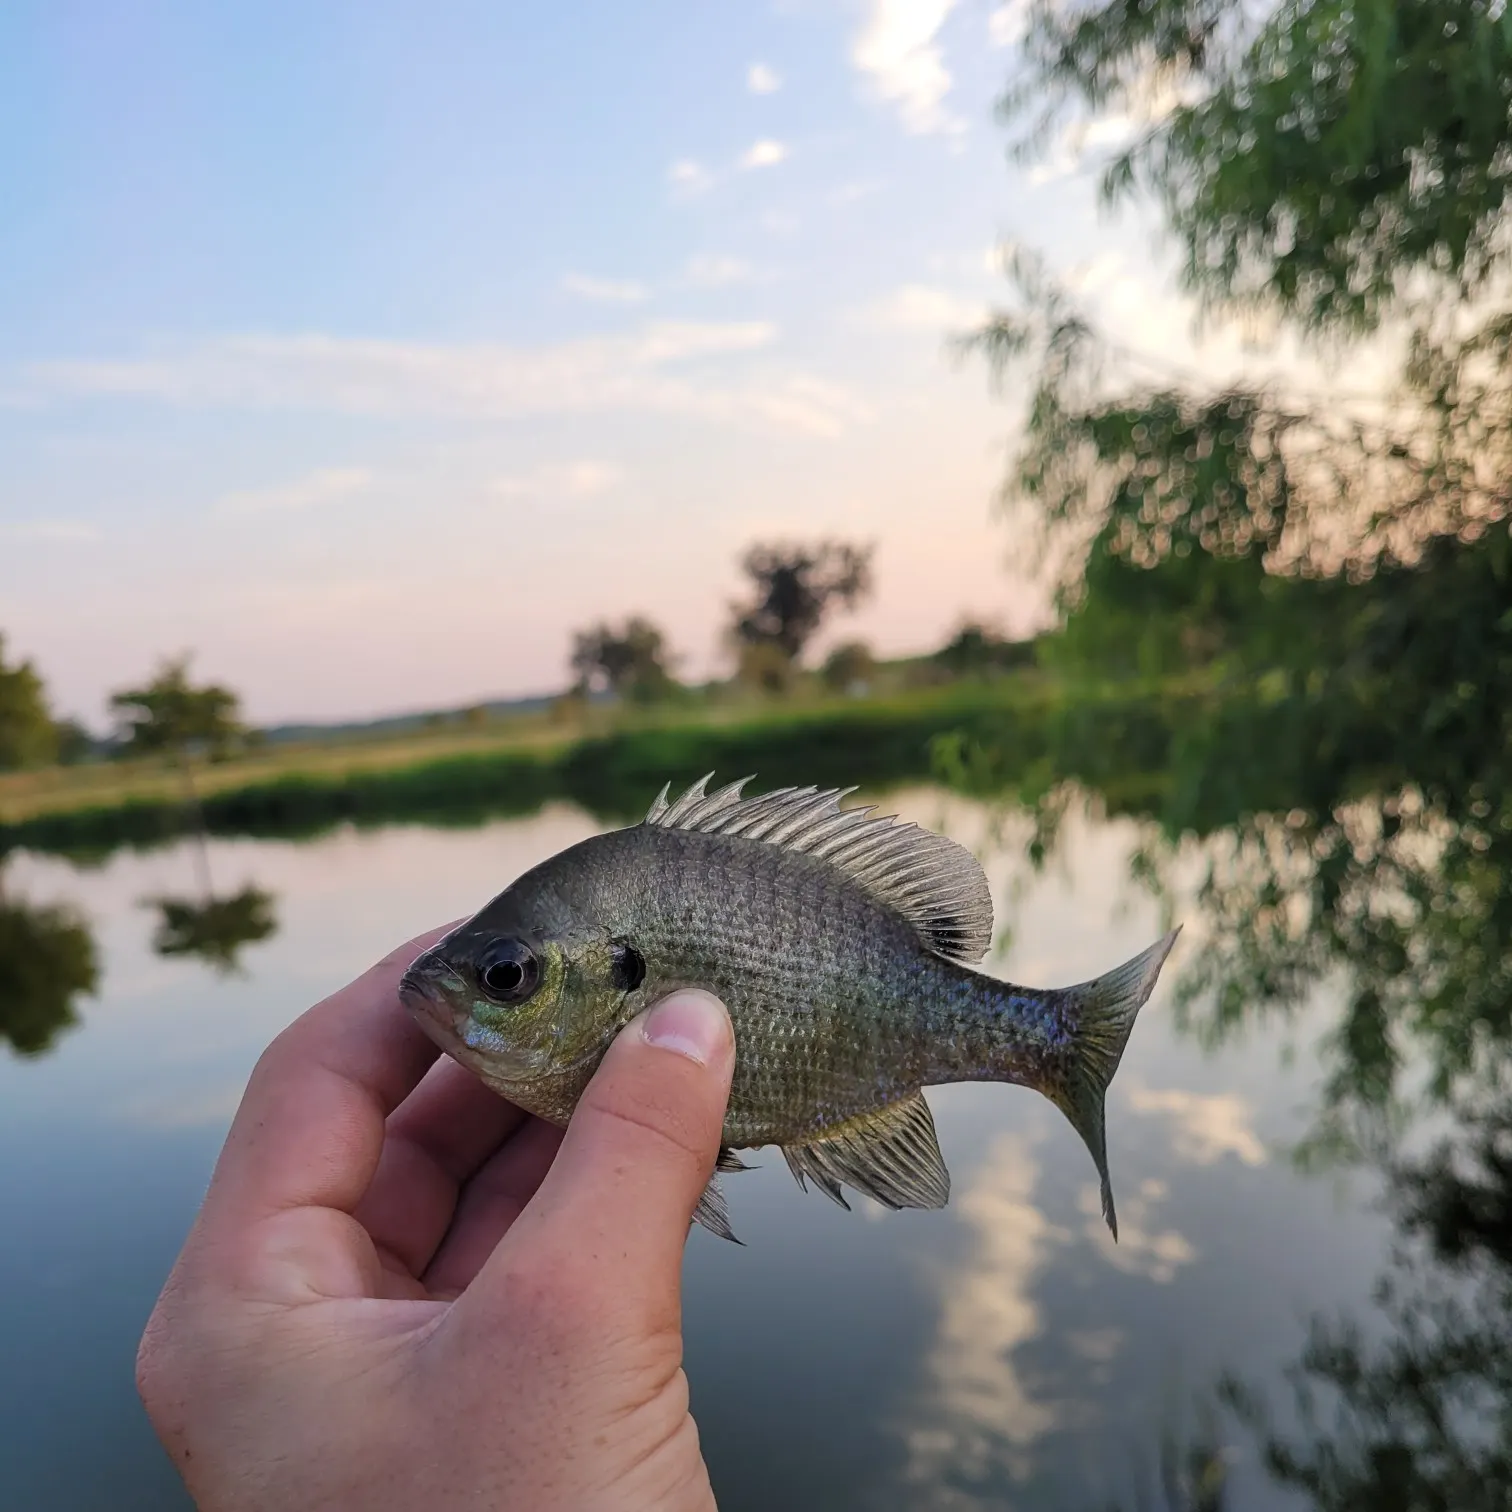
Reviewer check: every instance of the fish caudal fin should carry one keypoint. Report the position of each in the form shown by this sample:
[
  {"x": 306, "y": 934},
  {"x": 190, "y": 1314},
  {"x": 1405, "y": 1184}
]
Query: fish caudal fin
[{"x": 1103, "y": 1015}]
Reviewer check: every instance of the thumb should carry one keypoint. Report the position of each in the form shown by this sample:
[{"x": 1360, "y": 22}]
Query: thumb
[{"x": 614, "y": 1209}]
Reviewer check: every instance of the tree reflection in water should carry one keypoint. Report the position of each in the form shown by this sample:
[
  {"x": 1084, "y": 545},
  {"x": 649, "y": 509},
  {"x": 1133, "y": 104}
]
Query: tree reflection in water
[
  {"x": 1407, "y": 1408},
  {"x": 216, "y": 930},
  {"x": 47, "y": 958}
]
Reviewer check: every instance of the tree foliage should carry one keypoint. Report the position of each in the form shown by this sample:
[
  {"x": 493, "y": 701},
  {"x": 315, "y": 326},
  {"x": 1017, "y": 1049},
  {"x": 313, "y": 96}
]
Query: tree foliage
[
  {"x": 1327, "y": 579},
  {"x": 171, "y": 714},
  {"x": 795, "y": 588},
  {"x": 629, "y": 661},
  {"x": 1318, "y": 158},
  {"x": 850, "y": 665},
  {"x": 28, "y": 736}
]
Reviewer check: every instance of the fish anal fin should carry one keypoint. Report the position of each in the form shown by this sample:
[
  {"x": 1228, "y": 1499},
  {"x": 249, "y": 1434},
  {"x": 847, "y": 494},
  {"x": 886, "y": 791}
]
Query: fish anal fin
[
  {"x": 935, "y": 885},
  {"x": 891, "y": 1155}
]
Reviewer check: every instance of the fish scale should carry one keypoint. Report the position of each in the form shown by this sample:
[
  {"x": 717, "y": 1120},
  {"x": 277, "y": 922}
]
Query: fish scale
[{"x": 843, "y": 946}]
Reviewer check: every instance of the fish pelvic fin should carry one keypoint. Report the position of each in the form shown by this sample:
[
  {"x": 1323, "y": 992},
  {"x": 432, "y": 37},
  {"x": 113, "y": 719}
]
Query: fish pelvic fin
[
  {"x": 1102, "y": 1012},
  {"x": 713, "y": 1212}
]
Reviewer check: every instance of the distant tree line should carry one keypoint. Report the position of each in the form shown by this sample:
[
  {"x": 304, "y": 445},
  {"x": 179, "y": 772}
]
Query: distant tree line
[{"x": 793, "y": 590}]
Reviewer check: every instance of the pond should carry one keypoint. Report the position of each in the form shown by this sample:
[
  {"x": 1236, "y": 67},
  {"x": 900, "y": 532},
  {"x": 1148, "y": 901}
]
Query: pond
[{"x": 1004, "y": 1353}]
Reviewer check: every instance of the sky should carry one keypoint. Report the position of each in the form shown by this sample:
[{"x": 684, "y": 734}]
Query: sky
[{"x": 366, "y": 350}]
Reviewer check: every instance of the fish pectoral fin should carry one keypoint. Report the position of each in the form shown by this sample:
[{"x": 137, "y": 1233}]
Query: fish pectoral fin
[
  {"x": 891, "y": 1155},
  {"x": 713, "y": 1212}
]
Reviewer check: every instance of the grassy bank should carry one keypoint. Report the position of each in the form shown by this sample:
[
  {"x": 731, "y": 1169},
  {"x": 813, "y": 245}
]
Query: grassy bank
[
  {"x": 1017, "y": 735},
  {"x": 464, "y": 777}
]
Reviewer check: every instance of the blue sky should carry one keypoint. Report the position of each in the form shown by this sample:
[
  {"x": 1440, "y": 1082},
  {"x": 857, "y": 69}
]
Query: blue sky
[{"x": 368, "y": 349}]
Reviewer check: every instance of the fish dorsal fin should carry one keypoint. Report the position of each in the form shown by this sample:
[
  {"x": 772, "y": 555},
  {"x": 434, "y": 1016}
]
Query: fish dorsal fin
[
  {"x": 891, "y": 1155},
  {"x": 935, "y": 884}
]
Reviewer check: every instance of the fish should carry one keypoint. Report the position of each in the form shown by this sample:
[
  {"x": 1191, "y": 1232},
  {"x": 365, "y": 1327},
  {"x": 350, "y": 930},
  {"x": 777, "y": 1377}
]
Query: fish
[{"x": 844, "y": 945}]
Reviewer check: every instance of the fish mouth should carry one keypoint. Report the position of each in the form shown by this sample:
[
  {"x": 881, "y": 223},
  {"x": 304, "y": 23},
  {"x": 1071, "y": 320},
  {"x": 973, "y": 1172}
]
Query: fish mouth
[{"x": 423, "y": 990}]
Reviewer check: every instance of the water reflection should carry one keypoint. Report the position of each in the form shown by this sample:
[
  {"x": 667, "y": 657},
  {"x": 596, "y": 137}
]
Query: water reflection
[
  {"x": 1412, "y": 1408},
  {"x": 1404, "y": 910},
  {"x": 980, "y": 1419},
  {"x": 216, "y": 930},
  {"x": 47, "y": 959}
]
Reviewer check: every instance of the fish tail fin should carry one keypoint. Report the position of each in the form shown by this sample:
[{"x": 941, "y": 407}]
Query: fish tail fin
[{"x": 1102, "y": 1014}]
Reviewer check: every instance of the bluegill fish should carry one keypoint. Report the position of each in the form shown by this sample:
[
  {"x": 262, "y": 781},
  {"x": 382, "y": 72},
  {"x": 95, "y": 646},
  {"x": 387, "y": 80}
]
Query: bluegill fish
[{"x": 842, "y": 945}]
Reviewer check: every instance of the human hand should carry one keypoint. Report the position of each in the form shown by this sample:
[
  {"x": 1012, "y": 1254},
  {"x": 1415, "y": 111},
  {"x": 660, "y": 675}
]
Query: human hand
[{"x": 402, "y": 1292}]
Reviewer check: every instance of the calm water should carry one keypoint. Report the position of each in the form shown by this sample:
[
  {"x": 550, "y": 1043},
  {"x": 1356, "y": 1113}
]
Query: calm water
[{"x": 1004, "y": 1353}]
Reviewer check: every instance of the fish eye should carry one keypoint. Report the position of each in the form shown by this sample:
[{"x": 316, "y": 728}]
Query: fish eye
[{"x": 509, "y": 971}]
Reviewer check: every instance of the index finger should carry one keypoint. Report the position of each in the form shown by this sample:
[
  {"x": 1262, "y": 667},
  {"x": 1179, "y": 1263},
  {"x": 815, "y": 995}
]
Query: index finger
[{"x": 310, "y": 1127}]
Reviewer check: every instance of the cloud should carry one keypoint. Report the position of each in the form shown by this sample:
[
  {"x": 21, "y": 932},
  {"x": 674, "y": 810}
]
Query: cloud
[
  {"x": 712, "y": 272},
  {"x": 1141, "y": 1249},
  {"x": 763, "y": 154},
  {"x": 637, "y": 371},
  {"x": 918, "y": 307},
  {"x": 1206, "y": 1127},
  {"x": 605, "y": 290},
  {"x": 689, "y": 176},
  {"x": 898, "y": 49},
  {"x": 983, "y": 1411},
  {"x": 573, "y": 480},
  {"x": 761, "y": 80},
  {"x": 324, "y": 486},
  {"x": 49, "y": 530},
  {"x": 1008, "y": 23}
]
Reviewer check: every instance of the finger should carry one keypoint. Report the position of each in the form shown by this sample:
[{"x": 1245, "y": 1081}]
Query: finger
[
  {"x": 310, "y": 1127},
  {"x": 489, "y": 1205},
  {"x": 612, "y": 1215},
  {"x": 437, "y": 1139}
]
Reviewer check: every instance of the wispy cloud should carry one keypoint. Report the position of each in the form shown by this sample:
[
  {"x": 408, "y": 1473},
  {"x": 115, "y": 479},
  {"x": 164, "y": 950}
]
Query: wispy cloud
[
  {"x": 763, "y": 154},
  {"x": 573, "y": 480},
  {"x": 644, "y": 370},
  {"x": 713, "y": 272},
  {"x": 689, "y": 176},
  {"x": 1205, "y": 1128},
  {"x": 761, "y": 80},
  {"x": 324, "y": 486},
  {"x": 919, "y": 307},
  {"x": 898, "y": 49},
  {"x": 605, "y": 290},
  {"x": 48, "y": 530}
]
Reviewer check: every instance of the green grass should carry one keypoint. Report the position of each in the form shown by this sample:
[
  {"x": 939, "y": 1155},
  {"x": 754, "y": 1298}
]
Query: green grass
[{"x": 461, "y": 777}]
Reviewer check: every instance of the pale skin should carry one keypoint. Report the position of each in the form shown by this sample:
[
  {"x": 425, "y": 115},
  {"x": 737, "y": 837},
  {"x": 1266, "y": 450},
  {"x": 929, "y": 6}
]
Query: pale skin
[{"x": 402, "y": 1292}]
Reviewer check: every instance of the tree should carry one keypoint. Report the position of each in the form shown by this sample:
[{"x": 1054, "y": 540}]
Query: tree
[
  {"x": 169, "y": 714},
  {"x": 795, "y": 588},
  {"x": 629, "y": 662},
  {"x": 976, "y": 649},
  {"x": 1338, "y": 570},
  {"x": 28, "y": 736},
  {"x": 849, "y": 666}
]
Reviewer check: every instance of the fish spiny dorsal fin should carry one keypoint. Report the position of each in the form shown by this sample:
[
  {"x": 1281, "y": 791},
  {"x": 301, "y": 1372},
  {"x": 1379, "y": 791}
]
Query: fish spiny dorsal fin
[{"x": 935, "y": 884}]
